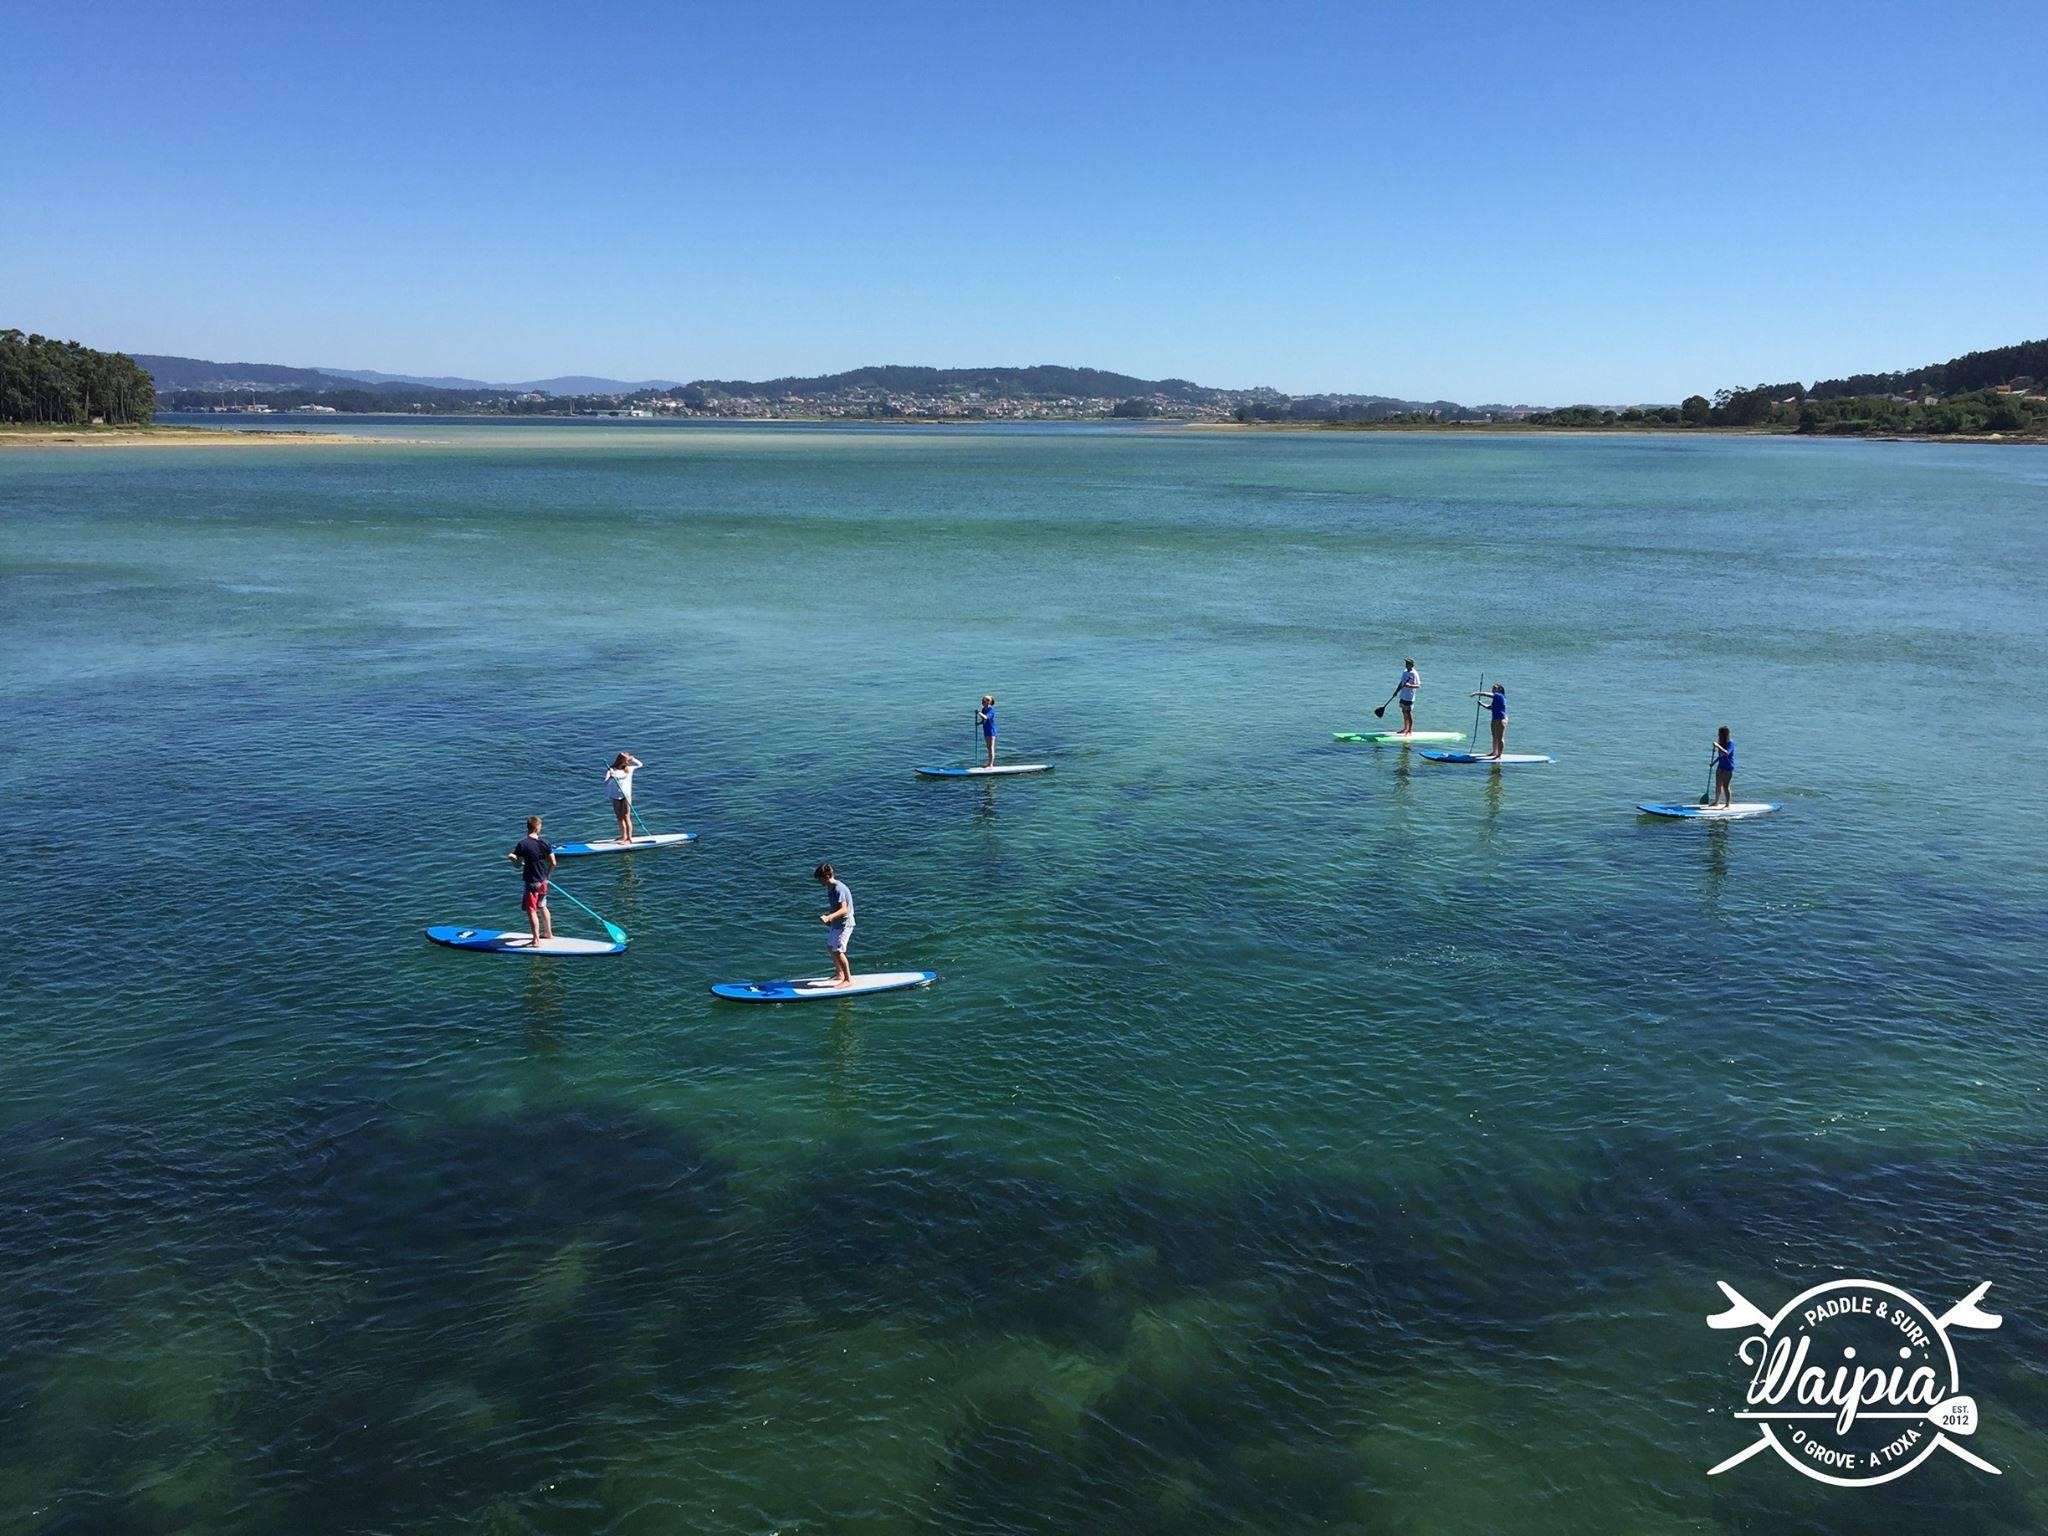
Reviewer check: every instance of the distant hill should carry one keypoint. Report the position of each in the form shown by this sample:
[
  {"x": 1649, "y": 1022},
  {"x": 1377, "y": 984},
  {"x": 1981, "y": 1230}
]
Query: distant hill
[
  {"x": 174, "y": 373},
  {"x": 185, "y": 373},
  {"x": 914, "y": 387},
  {"x": 583, "y": 384},
  {"x": 368, "y": 376},
  {"x": 1042, "y": 381},
  {"x": 564, "y": 384}
]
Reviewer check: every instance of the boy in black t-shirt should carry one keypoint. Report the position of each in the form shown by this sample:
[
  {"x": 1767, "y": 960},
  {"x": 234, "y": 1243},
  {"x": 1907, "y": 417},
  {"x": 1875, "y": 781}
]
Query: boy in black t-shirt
[{"x": 535, "y": 856}]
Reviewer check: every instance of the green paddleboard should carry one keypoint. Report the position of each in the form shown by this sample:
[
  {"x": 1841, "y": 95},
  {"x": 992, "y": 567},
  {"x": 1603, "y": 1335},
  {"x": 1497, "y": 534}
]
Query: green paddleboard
[{"x": 1396, "y": 738}]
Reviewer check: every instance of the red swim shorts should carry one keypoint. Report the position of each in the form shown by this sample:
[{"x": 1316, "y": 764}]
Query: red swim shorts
[{"x": 536, "y": 898}]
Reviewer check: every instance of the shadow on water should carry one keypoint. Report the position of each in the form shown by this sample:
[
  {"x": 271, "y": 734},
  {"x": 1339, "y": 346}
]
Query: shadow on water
[
  {"x": 1717, "y": 862},
  {"x": 488, "y": 1306},
  {"x": 844, "y": 1087},
  {"x": 540, "y": 1005}
]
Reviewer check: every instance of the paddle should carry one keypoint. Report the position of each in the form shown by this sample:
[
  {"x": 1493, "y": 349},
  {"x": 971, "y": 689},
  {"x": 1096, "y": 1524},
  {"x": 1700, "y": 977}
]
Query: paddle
[
  {"x": 1478, "y": 703},
  {"x": 1378, "y": 713},
  {"x": 636, "y": 824},
  {"x": 1956, "y": 1415},
  {"x": 612, "y": 929},
  {"x": 1708, "y": 797}
]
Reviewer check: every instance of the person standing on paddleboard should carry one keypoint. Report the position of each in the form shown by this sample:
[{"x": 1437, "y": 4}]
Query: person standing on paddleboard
[
  {"x": 838, "y": 922},
  {"x": 1497, "y": 705},
  {"x": 1405, "y": 692},
  {"x": 618, "y": 785},
  {"x": 1724, "y": 768},
  {"x": 985, "y": 717},
  {"x": 535, "y": 856}
]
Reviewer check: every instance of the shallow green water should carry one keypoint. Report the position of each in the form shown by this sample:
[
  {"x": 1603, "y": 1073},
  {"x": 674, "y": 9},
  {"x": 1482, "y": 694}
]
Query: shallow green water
[{"x": 1299, "y": 1136}]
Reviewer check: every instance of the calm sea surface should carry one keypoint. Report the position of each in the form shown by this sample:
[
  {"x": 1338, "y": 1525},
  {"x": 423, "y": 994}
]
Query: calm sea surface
[{"x": 1299, "y": 1137}]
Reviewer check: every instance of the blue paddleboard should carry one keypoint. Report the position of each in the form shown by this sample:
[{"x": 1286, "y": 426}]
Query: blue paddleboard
[{"x": 1506, "y": 758}]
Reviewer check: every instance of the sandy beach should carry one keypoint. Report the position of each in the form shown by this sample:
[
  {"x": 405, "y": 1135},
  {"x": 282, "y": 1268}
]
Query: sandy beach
[{"x": 159, "y": 437}]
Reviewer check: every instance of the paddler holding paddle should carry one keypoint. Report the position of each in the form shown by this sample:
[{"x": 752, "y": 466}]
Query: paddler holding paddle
[
  {"x": 535, "y": 856},
  {"x": 1405, "y": 692},
  {"x": 1724, "y": 769},
  {"x": 985, "y": 722},
  {"x": 618, "y": 787},
  {"x": 1496, "y": 705}
]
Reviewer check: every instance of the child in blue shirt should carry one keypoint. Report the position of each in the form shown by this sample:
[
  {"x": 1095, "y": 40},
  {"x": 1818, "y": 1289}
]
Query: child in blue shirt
[
  {"x": 985, "y": 717},
  {"x": 1724, "y": 768},
  {"x": 1497, "y": 706}
]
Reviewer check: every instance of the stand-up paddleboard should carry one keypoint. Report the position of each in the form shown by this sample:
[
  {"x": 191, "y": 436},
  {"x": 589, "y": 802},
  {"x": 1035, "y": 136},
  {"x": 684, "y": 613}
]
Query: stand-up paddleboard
[
  {"x": 1396, "y": 738},
  {"x": 517, "y": 941},
  {"x": 613, "y": 845},
  {"x": 812, "y": 989},
  {"x": 1735, "y": 812},
  {"x": 1000, "y": 771},
  {"x": 1508, "y": 758}
]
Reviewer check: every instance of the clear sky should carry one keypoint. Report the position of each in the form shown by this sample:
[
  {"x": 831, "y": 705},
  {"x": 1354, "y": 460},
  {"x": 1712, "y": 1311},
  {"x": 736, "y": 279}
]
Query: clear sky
[{"x": 1479, "y": 202}]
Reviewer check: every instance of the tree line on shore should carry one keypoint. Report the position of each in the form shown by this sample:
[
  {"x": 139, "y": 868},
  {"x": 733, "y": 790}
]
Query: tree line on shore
[
  {"x": 1352, "y": 410},
  {"x": 61, "y": 383},
  {"x": 1791, "y": 407},
  {"x": 1959, "y": 375},
  {"x": 2003, "y": 390}
]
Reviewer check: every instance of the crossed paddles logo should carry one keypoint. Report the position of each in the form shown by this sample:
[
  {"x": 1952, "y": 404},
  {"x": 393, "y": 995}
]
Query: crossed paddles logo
[{"x": 1854, "y": 1382}]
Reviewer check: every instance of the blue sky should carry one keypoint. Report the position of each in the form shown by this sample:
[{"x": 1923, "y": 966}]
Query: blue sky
[{"x": 1477, "y": 202}]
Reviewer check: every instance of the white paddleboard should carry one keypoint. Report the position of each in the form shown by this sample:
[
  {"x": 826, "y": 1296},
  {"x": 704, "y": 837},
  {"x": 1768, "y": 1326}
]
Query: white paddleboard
[
  {"x": 613, "y": 845},
  {"x": 1395, "y": 738},
  {"x": 1000, "y": 771},
  {"x": 1735, "y": 812},
  {"x": 516, "y": 941},
  {"x": 1505, "y": 759},
  {"x": 815, "y": 988}
]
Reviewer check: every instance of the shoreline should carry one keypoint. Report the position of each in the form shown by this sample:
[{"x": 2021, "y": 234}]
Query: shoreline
[
  {"x": 159, "y": 435},
  {"x": 154, "y": 436},
  {"x": 1516, "y": 429}
]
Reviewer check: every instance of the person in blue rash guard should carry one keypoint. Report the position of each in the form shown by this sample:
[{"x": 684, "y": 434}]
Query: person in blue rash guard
[
  {"x": 1497, "y": 705},
  {"x": 1724, "y": 769},
  {"x": 985, "y": 717}
]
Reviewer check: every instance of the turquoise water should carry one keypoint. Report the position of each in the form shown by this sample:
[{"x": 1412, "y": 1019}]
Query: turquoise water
[{"x": 1299, "y": 1136}]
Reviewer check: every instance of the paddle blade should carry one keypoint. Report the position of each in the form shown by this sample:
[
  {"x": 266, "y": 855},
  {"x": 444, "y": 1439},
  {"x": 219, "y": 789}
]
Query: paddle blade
[
  {"x": 1378, "y": 713},
  {"x": 614, "y": 931},
  {"x": 1741, "y": 1313},
  {"x": 1740, "y": 1456}
]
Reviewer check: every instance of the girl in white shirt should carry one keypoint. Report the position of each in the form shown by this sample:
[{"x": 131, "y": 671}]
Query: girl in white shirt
[{"x": 618, "y": 784}]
